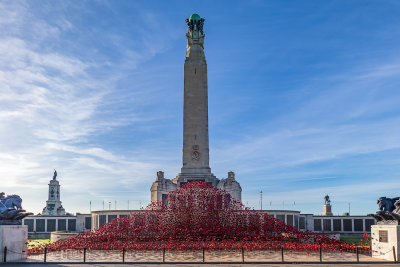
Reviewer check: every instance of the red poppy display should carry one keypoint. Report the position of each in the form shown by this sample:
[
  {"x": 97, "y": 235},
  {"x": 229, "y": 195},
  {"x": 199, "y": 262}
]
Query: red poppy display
[{"x": 197, "y": 216}]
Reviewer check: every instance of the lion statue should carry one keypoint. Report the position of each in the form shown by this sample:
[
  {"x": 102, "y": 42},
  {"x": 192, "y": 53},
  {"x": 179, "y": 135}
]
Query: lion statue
[{"x": 386, "y": 204}]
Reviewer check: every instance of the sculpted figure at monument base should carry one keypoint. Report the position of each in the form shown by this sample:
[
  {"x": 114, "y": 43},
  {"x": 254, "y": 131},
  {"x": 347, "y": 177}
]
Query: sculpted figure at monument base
[
  {"x": 389, "y": 210},
  {"x": 11, "y": 212},
  {"x": 13, "y": 234}
]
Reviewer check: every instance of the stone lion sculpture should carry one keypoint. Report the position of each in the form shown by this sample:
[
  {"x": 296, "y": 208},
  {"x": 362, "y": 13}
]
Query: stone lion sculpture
[{"x": 386, "y": 204}]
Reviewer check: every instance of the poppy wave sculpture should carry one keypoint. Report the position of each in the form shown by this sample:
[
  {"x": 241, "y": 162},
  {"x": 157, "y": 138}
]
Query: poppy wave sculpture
[{"x": 197, "y": 216}]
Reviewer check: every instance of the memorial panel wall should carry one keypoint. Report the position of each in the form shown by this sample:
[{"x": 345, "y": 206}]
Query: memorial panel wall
[
  {"x": 40, "y": 225},
  {"x": 111, "y": 217},
  {"x": 102, "y": 220},
  {"x": 72, "y": 225},
  {"x": 347, "y": 225},
  {"x": 51, "y": 225},
  {"x": 337, "y": 225},
  {"x": 62, "y": 225},
  {"x": 302, "y": 223},
  {"x": 358, "y": 225},
  {"x": 88, "y": 223},
  {"x": 281, "y": 217},
  {"x": 327, "y": 225},
  {"x": 289, "y": 220},
  {"x": 29, "y": 222},
  {"x": 317, "y": 225}
]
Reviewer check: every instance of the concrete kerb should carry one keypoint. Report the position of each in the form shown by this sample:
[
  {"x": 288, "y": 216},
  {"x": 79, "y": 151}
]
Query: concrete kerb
[{"x": 199, "y": 263}]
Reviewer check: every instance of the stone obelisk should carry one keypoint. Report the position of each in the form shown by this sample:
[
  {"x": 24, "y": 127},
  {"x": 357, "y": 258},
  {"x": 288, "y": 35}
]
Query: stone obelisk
[{"x": 195, "y": 154}]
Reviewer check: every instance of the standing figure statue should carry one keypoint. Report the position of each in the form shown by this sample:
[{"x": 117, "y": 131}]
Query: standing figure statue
[
  {"x": 327, "y": 200},
  {"x": 55, "y": 174}
]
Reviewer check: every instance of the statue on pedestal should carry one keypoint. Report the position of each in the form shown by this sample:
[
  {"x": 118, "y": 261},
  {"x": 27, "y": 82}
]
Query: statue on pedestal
[{"x": 327, "y": 211}]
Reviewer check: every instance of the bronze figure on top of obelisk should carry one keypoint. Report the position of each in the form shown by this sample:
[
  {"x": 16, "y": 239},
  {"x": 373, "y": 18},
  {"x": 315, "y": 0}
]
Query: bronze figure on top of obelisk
[{"x": 195, "y": 153}]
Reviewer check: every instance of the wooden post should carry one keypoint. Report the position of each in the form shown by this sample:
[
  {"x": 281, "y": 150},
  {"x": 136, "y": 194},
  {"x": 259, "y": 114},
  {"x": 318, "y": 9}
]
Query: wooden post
[
  {"x": 45, "y": 254},
  {"x": 242, "y": 254},
  {"x": 84, "y": 254},
  {"x": 204, "y": 252},
  {"x": 282, "y": 254},
  {"x": 163, "y": 255},
  {"x": 123, "y": 254},
  {"x": 358, "y": 256},
  {"x": 394, "y": 254},
  {"x": 320, "y": 253},
  {"x": 5, "y": 255}
]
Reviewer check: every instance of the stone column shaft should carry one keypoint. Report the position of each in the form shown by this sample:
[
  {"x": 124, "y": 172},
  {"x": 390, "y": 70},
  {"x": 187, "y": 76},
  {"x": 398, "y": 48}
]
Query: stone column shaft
[{"x": 195, "y": 154}]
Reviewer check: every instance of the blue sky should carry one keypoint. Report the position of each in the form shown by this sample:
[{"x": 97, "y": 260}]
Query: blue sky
[{"x": 304, "y": 99}]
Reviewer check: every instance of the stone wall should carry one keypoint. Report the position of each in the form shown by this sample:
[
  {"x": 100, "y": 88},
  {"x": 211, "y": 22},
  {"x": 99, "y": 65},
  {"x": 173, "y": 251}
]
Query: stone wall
[
  {"x": 385, "y": 241},
  {"x": 14, "y": 237}
]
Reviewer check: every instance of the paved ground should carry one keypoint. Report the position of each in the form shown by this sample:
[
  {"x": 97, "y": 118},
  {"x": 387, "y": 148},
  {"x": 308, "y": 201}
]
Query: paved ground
[
  {"x": 197, "y": 256},
  {"x": 193, "y": 265}
]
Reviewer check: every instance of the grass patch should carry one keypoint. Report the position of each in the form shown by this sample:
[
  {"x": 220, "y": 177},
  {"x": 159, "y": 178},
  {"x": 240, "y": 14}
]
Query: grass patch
[
  {"x": 356, "y": 240},
  {"x": 36, "y": 242},
  {"x": 351, "y": 240}
]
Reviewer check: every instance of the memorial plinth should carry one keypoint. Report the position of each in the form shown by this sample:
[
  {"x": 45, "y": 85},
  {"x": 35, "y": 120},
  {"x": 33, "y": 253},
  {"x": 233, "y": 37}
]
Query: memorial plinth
[
  {"x": 327, "y": 211},
  {"x": 385, "y": 235},
  {"x": 385, "y": 238},
  {"x": 14, "y": 237}
]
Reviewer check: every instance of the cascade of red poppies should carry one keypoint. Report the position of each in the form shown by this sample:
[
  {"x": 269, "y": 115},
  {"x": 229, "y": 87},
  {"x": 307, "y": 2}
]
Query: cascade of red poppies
[{"x": 194, "y": 216}]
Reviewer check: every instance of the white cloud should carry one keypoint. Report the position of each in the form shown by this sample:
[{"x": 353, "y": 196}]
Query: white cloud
[{"x": 51, "y": 106}]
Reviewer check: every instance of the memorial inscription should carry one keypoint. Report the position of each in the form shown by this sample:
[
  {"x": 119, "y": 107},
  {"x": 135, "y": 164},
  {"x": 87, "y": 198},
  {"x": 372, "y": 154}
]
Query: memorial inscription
[{"x": 383, "y": 236}]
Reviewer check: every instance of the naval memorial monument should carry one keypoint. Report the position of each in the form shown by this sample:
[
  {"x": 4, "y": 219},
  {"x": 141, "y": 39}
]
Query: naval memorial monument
[{"x": 195, "y": 154}]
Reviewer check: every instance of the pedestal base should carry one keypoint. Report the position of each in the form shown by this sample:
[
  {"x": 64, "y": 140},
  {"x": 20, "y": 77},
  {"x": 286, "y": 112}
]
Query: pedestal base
[
  {"x": 327, "y": 210},
  {"x": 183, "y": 178},
  {"x": 14, "y": 237},
  {"x": 385, "y": 241}
]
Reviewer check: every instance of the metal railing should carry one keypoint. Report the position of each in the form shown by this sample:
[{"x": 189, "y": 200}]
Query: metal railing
[{"x": 320, "y": 252}]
